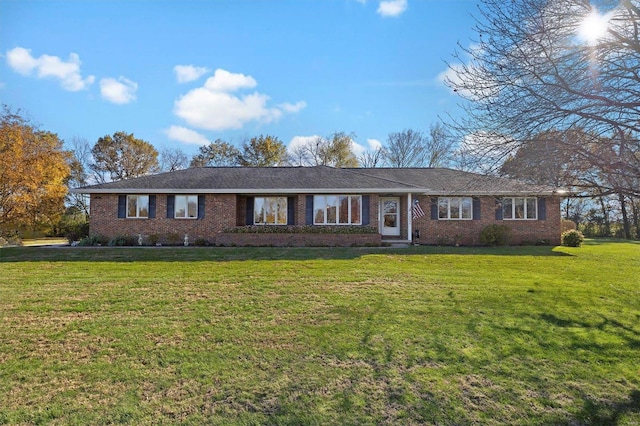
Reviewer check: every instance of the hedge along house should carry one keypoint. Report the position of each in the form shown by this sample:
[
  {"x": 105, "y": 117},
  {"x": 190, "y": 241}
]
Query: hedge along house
[{"x": 322, "y": 206}]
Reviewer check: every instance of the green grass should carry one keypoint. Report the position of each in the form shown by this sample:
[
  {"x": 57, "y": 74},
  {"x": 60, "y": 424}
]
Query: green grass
[{"x": 424, "y": 335}]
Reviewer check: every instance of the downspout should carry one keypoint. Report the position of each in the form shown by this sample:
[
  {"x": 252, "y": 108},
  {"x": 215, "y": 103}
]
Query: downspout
[{"x": 409, "y": 218}]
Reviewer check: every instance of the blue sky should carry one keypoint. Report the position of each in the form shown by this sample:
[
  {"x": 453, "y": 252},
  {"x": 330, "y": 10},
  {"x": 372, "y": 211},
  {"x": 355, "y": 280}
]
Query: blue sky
[{"x": 181, "y": 73}]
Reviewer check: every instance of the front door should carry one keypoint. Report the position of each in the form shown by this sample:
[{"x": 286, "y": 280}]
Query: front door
[{"x": 390, "y": 216}]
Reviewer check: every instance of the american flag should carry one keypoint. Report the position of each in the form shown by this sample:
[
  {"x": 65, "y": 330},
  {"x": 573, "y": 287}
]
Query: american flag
[{"x": 416, "y": 210}]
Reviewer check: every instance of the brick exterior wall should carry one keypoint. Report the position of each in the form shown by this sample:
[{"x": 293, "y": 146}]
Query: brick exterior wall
[
  {"x": 224, "y": 211},
  {"x": 467, "y": 232}
]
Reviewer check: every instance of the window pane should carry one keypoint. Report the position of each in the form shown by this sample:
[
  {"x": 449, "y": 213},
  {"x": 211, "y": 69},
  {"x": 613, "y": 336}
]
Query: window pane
[
  {"x": 344, "y": 209},
  {"x": 193, "y": 205},
  {"x": 355, "y": 210},
  {"x": 454, "y": 208},
  {"x": 143, "y": 206},
  {"x": 507, "y": 208},
  {"x": 181, "y": 206},
  {"x": 258, "y": 211},
  {"x": 332, "y": 208},
  {"x": 443, "y": 208},
  {"x": 519, "y": 208},
  {"x": 282, "y": 211},
  {"x": 270, "y": 209},
  {"x": 466, "y": 208},
  {"x": 390, "y": 206},
  {"x": 531, "y": 208},
  {"x": 318, "y": 206},
  {"x": 132, "y": 206}
]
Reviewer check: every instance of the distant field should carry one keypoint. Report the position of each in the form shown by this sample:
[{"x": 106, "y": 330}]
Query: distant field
[{"x": 424, "y": 335}]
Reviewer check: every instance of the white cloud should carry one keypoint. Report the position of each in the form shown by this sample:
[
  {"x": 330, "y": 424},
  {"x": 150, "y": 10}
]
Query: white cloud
[
  {"x": 300, "y": 141},
  {"x": 68, "y": 73},
  {"x": 215, "y": 106},
  {"x": 120, "y": 91},
  {"x": 293, "y": 108},
  {"x": 374, "y": 144},
  {"x": 225, "y": 81},
  {"x": 182, "y": 134},
  {"x": 187, "y": 73},
  {"x": 392, "y": 8}
]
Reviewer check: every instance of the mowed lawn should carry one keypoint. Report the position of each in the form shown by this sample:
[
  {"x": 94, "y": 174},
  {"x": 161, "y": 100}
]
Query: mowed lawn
[{"x": 423, "y": 335}]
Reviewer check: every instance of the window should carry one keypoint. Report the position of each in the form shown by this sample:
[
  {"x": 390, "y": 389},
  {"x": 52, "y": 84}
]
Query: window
[
  {"x": 138, "y": 206},
  {"x": 186, "y": 207},
  {"x": 455, "y": 208},
  {"x": 270, "y": 211},
  {"x": 520, "y": 208},
  {"x": 337, "y": 210}
]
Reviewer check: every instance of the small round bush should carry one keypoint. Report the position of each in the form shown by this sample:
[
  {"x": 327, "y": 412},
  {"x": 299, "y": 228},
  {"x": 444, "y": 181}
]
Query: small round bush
[
  {"x": 572, "y": 238},
  {"x": 495, "y": 235}
]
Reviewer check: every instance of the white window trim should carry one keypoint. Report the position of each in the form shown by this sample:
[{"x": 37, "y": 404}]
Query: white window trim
[
  {"x": 186, "y": 211},
  {"x": 513, "y": 208},
  {"x": 325, "y": 223},
  {"x": 137, "y": 216},
  {"x": 459, "y": 208},
  {"x": 286, "y": 212}
]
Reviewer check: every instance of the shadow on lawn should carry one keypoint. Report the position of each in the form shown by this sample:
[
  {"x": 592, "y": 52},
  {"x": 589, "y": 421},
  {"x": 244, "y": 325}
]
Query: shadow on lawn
[
  {"x": 599, "y": 413},
  {"x": 222, "y": 254}
]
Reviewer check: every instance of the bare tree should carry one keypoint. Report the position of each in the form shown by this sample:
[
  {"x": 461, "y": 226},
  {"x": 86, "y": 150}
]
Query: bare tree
[
  {"x": 536, "y": 68},
  {"x": 334, "y": 151},
  {"x": 439, "y": 146},
  {"x": 80, "y": 173},
  {"x": 172, "y": 159},
  {"x": 372, "y": 158},
  {"x": 406, "y": 149}
]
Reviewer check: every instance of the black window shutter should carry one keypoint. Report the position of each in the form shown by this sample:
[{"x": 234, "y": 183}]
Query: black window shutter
[
  {"x": 201, "y": 200},
  {"x": 291, "y": 210},
  {"x": 476, "y": 208},
  {"x": 152, "y": 206},
  {"x": 366, "y": 214},
  {"x": 542, "y": 209},
  {"x": 249, "y": 220},
  {"x": 308, "y": 211},
  {"x": 498, "y": 209},
  {"x": 434, "y": 208},
  {"x": 171, "y": 205},
  {"x": 122, "y": 206}
]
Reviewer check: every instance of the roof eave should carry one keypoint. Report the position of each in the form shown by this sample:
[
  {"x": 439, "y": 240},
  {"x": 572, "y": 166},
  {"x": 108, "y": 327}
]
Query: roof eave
[{"x": 422, "y": 191}]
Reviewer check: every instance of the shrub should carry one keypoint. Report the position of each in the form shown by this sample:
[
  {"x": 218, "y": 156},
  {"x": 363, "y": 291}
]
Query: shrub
[
  {"x": 154, "y": 239},
  {"x": 122, "y": 240},
  {"x": 93, "y": 240},
  {"x": 10, "y": 238},
  {"x": 302, "y": 229},
  {"x": 572, "y": 238},
  {"x": 200, "y": 242},
  {"x": 495, "y": 235}
]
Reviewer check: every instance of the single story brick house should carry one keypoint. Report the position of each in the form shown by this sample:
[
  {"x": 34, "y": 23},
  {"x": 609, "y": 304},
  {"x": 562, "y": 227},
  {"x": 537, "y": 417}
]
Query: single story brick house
[{"x": 423, "y": 205}]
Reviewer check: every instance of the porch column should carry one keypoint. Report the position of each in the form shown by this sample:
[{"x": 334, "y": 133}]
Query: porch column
[{"x": 409, "y": 217}]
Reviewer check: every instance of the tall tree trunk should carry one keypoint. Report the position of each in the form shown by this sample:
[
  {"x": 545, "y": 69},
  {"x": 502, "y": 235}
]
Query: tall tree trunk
[
  {"x": 625, "y": 217},
  {"x": 605, "y": 218}
]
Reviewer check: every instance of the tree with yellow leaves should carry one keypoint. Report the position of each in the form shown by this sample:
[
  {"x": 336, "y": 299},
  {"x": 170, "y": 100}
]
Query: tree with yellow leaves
[{"x": 33, "y": 173}]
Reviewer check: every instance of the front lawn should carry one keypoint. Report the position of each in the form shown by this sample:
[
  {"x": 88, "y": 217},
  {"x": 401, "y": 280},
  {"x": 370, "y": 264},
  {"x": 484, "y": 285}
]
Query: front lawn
[{"x": 521, "y": 335}]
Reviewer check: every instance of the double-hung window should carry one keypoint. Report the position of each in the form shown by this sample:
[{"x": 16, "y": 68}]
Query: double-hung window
[
  {"x": 186, "y": 207},
  {"x": 337, "y": 210},
  {"x": 455, "y": 208},
  {"x": 520, "y": 208},
  {"x": 137, "y": 206},
  {"x": 270, "y": 211}
]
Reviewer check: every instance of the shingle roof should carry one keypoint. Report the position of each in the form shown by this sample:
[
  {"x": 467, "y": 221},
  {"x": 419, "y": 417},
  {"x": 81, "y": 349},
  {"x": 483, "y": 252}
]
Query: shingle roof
[{"x": 319, "y": 179}]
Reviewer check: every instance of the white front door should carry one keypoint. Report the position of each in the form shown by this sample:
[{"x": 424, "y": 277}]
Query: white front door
[{"x": 390, "y": 216}]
